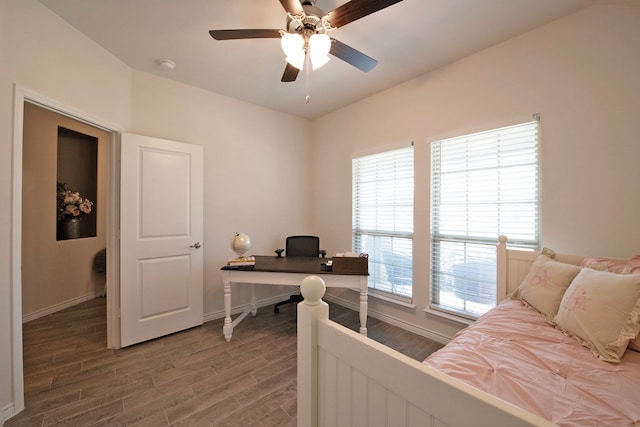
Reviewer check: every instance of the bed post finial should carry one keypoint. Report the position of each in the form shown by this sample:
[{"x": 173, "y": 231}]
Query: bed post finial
[{"x": 312, "y": 289}]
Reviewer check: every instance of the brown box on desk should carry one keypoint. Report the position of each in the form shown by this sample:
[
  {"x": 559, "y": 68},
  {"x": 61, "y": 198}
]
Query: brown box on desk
[{"x": 350, "y": 265}]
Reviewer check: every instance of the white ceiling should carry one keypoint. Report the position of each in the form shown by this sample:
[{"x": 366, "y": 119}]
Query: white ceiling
[{"x": 408, "y": 39}]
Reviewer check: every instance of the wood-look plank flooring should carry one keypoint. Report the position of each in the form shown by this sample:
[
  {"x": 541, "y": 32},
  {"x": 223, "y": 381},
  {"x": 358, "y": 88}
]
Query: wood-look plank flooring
[{"x": 190, "y": 378}]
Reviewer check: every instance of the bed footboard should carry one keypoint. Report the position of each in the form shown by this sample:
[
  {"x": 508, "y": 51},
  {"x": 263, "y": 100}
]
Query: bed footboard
[{"x": 345, "y": 379}]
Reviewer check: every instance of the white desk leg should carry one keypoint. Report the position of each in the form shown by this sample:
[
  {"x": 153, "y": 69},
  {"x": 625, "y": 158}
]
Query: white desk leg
[
  {"x": 227, "y": 329},
  {"x": 254, "y": 305},
  {"x": 363, "y": 309}
]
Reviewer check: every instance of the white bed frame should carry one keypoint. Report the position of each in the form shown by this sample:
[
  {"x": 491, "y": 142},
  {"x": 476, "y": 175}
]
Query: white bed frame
[{"x": 346, "y": 379}]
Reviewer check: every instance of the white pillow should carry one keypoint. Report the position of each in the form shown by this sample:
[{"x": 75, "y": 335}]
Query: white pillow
[
  {"x": 545, "y": 284},
  {"x": 602, "y": 311}
]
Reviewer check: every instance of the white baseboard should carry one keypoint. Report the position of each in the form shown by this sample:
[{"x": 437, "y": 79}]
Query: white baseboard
[
  {"x": 60, "y": 306},
  {"x": 6, "y": 413},
  {"x": 427, "y": 333},
  {"x": 219, "y": 314}
]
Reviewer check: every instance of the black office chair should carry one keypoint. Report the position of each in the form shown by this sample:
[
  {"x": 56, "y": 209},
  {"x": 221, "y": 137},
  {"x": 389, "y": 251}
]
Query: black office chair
[{"x": 307, "y": 246}]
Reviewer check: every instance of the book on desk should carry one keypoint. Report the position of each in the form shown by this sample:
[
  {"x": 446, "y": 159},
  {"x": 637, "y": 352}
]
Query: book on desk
[{"x": 242, "y": 262}]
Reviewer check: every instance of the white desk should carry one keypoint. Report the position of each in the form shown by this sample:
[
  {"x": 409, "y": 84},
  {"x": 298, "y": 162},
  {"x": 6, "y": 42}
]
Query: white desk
[{"x": 286, "y": 271}]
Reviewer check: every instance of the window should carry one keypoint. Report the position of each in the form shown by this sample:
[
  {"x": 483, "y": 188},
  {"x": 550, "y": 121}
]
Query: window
[
  {"x": 482, "y": 185},
  {"x": 382, "y": 221}
]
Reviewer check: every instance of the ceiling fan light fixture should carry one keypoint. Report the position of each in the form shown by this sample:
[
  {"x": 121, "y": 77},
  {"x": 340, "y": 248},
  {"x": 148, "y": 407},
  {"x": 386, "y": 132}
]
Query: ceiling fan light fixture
[
  {"x": 320, "y": 43},
  {"x": 296, "y": 60},
  {"x": 292, "y": 45},
  {"x": 319, "y": 47},
  {"x": 317, "y": 62}
]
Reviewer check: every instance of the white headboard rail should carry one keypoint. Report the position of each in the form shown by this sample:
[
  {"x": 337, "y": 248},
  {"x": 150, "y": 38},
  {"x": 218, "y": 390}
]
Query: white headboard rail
[{"x": 513, "y": 265}]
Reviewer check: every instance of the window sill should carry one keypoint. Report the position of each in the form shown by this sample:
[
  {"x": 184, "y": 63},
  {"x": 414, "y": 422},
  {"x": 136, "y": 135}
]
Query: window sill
[
  {"x": 385, "y": 297},
  {"x": 450, "y": 315}
]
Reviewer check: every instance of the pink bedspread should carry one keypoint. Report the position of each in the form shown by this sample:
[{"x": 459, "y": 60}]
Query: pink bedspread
[{"x": 512, "y": 353}]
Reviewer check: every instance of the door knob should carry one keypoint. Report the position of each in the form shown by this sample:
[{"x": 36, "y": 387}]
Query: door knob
[{"x": 196, "y": 245}]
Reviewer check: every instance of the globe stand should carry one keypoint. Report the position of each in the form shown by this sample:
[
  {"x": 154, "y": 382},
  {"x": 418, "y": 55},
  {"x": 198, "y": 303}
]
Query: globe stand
[{"x": 240, "y": 244}]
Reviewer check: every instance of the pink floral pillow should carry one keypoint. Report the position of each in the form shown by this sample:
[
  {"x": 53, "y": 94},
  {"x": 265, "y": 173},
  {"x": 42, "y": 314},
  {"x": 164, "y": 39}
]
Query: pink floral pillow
[
  {"x": 602, "y": 311},
  {"x": 545, "y": 284},
  {"x": 632, "y": 266},
  {"x": 634, "y": 263}
]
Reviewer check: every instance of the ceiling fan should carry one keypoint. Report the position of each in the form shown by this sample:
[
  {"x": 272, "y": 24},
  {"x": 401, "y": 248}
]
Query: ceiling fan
[{"x": 305, "y": 40}]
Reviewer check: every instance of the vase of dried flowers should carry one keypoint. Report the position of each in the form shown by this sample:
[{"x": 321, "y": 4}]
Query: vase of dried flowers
[{"x": 72, "y": 207}]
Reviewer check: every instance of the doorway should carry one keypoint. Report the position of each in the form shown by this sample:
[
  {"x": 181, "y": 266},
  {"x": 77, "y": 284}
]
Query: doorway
[
  {"x": 63, "y": 171},
  {"x": 22, "y": 96}
]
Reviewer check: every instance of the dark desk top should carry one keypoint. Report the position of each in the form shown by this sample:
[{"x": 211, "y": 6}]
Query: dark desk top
[{"x": 294, "y": 264}]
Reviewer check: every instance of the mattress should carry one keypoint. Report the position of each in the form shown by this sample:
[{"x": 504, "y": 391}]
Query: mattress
[{"x": 513, "y": 353}]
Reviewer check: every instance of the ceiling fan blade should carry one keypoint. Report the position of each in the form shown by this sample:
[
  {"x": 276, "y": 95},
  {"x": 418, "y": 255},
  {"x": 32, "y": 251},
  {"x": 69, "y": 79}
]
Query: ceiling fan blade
[
  {"x": 245, "y": 34},
  {"x": 352, "y": 56},
  {"x": 356, "y": 9},
  {"x": 293, "y": 7},
  {"x": 290, "y": 73}
]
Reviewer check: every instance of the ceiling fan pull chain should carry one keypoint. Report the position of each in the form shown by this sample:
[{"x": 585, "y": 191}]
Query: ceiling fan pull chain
[{"x": 307, "y": 69}]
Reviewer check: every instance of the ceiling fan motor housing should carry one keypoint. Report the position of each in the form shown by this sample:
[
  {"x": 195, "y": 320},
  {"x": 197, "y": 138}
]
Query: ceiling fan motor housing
[{"x": 311, "y": 20}]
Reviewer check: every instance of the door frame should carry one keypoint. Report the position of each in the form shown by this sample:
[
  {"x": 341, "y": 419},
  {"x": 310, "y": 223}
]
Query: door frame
[{"x": 22, "y": 95}]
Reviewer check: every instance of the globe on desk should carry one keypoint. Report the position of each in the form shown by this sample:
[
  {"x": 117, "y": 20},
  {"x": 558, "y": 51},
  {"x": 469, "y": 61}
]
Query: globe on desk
[{"x": 240, "y": 243}]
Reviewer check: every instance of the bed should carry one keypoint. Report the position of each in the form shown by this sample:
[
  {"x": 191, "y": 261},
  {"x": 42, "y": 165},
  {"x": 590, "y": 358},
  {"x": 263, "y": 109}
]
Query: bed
[{"x": 512, "y": 367}]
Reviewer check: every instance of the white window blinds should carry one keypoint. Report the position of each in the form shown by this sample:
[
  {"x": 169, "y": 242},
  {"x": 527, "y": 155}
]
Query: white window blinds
[
  {"x": 482, "y": 185},
  {"x": 382, "y": 220}
]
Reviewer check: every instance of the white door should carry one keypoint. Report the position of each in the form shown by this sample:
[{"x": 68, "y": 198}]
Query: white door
[{"x": 161, "y": 196}]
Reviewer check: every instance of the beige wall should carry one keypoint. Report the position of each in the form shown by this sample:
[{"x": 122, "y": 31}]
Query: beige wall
[
  {"x": 580, "y": 73},
  {"x": 55, "y": 274},
  {"x": 257, "y": 162},
  {"x": 41, "y": 53},
  {"x": 256, "y": 171}
]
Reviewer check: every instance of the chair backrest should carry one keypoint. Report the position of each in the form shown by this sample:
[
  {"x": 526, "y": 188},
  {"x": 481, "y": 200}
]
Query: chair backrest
[{"x": 303, "y": 246}]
